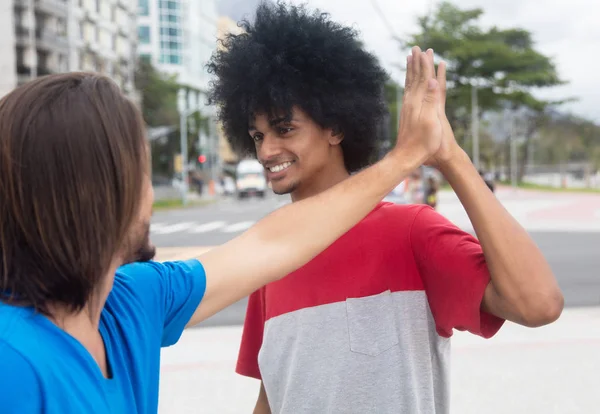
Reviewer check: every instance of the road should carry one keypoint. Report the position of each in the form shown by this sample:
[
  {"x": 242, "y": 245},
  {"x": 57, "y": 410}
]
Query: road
[{"x": 573, "y": 255}]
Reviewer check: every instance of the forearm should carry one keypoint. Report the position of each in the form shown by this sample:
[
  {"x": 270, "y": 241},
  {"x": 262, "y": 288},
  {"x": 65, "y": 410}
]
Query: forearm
[{"x": 522, "y": 280}]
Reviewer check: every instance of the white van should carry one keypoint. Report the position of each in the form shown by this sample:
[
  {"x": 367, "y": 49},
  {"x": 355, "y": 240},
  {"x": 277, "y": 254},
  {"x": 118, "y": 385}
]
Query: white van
[{"x": 250, "y": 179}]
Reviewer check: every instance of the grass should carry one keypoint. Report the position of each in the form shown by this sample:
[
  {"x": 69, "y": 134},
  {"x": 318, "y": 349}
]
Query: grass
[{"x": 175, "y": 203}]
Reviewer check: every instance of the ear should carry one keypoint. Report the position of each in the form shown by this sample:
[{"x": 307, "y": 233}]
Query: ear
[{"x": 335, "y": 136}]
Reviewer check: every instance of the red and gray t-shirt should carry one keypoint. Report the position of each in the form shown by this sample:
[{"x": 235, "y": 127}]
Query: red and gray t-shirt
[{"x": 365, "y": 326}]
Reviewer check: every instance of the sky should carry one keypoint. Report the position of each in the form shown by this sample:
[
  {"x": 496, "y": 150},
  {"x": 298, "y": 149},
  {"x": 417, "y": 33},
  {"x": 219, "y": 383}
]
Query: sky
[{"x": 565, "y": 30}]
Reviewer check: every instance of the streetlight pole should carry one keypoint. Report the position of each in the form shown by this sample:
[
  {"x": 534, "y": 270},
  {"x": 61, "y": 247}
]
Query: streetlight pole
[
  {"x": 475, "y": 124},
  {"x": 513, "y": 153},
  {"x": 183, "y": 114}
]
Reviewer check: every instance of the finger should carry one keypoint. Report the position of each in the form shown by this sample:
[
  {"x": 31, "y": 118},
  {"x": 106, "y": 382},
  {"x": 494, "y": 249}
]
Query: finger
[
  {"x": 441, "y": 79},
  {"x": 416, "y": 63},
  {"x": 409, "y": 74},
  {"x": 427, "y": 69},
  {"x": 431, "y": 99}
]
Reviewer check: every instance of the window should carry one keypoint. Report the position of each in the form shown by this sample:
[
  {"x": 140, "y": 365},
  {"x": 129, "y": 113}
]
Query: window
[
  {"x": 143, "y": 8},
  {"x": 145, "y": 58},
  {"x": 175, "y": 59},
  {"x": 170, "y": 31},
  {"x": 144, "y": 34},
  {"x": 169, "y": 4}
]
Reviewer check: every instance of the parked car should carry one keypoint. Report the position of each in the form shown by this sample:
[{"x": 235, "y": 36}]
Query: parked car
[{"x": 250, "y": 179}]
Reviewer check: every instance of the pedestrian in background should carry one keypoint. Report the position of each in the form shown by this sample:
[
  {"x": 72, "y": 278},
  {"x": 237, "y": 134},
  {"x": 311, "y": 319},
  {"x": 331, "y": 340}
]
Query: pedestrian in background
[{"x": 431, "y": 195}]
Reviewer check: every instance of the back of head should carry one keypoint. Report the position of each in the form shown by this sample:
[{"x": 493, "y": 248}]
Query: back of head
[
  {"x": 72, "y": 164},
  {"x": 290, "y": 57}
]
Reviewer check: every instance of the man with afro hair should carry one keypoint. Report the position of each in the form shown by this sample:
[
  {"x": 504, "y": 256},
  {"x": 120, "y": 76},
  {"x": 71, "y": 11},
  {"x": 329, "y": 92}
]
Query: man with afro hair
[{"x": 365, "y": 326}]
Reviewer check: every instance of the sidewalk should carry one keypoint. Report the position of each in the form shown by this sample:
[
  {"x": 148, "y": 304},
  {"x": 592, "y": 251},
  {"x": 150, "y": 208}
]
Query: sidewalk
[
  {"x": 535, "y": 210},
  {"x": 554, "y": 369}
]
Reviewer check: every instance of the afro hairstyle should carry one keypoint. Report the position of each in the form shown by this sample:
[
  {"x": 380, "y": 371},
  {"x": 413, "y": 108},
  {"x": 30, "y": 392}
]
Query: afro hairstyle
[{"x": 290, "y": 56}]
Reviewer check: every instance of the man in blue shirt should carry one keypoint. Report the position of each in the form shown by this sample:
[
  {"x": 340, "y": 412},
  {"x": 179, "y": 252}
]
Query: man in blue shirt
[{"x": 83, "y": 310}]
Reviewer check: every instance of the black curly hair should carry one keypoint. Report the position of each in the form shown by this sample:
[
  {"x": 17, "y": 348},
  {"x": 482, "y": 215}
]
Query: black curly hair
[{"x": 290, "y": 57}]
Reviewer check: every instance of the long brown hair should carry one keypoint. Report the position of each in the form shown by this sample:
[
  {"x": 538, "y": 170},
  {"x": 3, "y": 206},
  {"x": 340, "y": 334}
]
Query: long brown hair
[{"x": 72, "y": 163}]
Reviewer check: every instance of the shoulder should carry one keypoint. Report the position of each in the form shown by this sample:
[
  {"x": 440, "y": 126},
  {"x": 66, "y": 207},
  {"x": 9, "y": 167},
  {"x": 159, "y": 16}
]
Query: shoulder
[
  {"x": 18, "y": 379},
  {"x": 15, "y": 364},
  {"x": 388, "y": 214},
  {"x": 148, "y": 274}
]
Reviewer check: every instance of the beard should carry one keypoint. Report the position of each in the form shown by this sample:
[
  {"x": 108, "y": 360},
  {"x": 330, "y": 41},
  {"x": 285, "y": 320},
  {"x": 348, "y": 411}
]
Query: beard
[
  {"x": 281, "y": 188},
  {"x": 139, "y": 247}
]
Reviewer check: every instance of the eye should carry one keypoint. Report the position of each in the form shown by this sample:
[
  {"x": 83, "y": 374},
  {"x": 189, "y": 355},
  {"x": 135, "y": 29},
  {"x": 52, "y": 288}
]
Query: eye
[
  {"x": 257, "y": 137},
  {"x": 284, "y": 130}
]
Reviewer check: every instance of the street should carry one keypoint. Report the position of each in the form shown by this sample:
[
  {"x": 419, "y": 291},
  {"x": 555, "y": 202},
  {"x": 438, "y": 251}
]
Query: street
[{"x": 573, "y": 254}]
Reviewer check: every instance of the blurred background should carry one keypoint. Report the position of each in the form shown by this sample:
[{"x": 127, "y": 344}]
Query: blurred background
[{"x": 524, "y": 103}]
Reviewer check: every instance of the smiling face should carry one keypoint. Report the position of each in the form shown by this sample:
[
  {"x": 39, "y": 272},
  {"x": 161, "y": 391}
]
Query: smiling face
[{"x": 299, "y": 156}]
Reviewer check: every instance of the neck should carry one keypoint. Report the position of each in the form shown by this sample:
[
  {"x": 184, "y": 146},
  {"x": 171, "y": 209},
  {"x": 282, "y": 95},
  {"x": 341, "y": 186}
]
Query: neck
[
  {"x": 84, "y": 325},
  {"x": 328, "y": 177}
]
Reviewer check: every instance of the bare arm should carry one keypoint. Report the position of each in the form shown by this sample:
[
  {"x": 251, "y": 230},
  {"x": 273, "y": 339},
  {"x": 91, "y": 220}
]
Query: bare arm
[
  {"x": 262, "y": 404},
  {"x": 522, "y": 288},
  {"x": 291, "y": 236}
]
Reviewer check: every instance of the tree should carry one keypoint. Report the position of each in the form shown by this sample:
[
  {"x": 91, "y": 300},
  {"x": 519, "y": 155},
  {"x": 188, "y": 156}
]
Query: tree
[
  {"x": 159, "y": 95},
  {"x": 159, "y": 108},
  {"x": 502, "y": 63}
]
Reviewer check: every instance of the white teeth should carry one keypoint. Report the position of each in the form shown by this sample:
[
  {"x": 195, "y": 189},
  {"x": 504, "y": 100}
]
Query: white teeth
[{"x": 280, "y": 167}]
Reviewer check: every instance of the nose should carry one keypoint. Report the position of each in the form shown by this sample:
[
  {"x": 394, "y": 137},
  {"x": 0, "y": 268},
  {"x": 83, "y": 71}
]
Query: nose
[{"x": 269, "y": 148}]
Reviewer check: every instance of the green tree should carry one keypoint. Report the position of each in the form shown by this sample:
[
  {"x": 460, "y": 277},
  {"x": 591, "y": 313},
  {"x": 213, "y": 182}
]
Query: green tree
[
  {"x": 159, "y": 108},
  {"x": 503, "y": 63},
  {"x": 159, "y": 95}
]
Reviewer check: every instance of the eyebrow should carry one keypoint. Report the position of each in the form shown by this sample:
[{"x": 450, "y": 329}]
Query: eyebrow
[{"x": 272, "y": 122}]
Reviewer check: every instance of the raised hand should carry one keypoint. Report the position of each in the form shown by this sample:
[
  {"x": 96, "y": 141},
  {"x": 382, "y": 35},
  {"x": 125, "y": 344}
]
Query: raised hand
[
  {"x": 449, "y": 148},
  {"x": 421, "y": 129}
]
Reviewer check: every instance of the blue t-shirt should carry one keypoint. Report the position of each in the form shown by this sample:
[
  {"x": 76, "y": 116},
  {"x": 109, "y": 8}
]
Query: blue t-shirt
[{"x": 44, "y": 369}]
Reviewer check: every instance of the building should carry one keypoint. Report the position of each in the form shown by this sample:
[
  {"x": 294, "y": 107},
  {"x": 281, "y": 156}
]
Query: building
[
  {"x": 178, "y": 38},
  {"x": 53, "y": 36},
  {"x": 8, "y": 63}
]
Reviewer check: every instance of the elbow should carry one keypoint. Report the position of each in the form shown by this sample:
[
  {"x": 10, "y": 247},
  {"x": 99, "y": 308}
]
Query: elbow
[{"x": 544, "y": 309}]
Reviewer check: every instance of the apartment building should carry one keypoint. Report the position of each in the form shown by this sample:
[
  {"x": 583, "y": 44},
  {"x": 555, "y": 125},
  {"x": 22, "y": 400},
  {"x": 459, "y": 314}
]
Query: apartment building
[
  {"x": 53, "y": 36},
  {"x": 178, "y": 37},
  {"x": 8, "y": 63}
]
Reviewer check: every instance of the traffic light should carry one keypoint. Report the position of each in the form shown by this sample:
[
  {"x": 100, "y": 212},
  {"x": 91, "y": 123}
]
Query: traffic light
[{"x": 201, "y": 158}]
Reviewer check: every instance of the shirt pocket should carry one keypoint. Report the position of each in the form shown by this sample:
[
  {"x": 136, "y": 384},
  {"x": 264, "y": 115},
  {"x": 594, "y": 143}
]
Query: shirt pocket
[{"x": 371, "y": 324}]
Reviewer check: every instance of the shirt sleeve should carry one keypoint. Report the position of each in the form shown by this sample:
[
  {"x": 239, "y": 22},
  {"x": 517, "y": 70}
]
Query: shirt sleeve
[
  {"x": 19, "y": 385},
  {"x": 252, "y": 336},
  {"x": 454, "y": 273},
  {"x": 170, "y": 293}
]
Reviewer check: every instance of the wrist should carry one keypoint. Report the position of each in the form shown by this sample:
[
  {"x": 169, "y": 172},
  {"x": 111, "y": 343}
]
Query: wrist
[
  {"x": 406, "y": 159},
  {"x": 456, "y": 162}
]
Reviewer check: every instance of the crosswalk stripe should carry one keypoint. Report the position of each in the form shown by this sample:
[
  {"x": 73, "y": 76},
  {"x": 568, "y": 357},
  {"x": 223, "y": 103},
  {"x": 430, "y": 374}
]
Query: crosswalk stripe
[
  {"x": 156, "y": 226},
  {"x": 174, "y": 228},
  {"x": 204, "y": 228},
  {"x": 244, "y": 225}
]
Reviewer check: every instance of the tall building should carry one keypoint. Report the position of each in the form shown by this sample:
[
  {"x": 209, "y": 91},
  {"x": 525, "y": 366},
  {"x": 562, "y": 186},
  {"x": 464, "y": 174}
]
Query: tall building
[
  {"x": 8, "y": 74},
  {"x": 54, "y": 36},
  {"x": 178, "y": 38}
]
